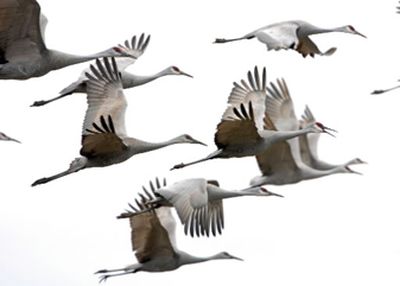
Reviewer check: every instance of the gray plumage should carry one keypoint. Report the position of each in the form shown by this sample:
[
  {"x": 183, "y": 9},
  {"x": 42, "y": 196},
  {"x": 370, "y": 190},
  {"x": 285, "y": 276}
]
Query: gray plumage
[
  {"x": 245, "y": 128},
  {"x": 197, "y": 201},
  {"x": 104, "y": 138},
  {"x": 23, "y": 52},
  {"x": 153, "y": 239},
  {"x": 136, "y": 47},
  {"x": 292, "y": 35}
]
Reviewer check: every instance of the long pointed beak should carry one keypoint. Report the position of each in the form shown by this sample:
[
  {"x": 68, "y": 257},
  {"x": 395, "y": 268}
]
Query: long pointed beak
[
  {"x": 12, "y": 139},
  {"x": 270, "y": 193},
  {"x": 358, "y": 33},
  {"x": 237, "y": 258},
  {"x": 352, "y": 171},
  {"x": 198, "y": 142},
  {"x": 186, "y": 74},
  {"x": 327, "y": 129}
]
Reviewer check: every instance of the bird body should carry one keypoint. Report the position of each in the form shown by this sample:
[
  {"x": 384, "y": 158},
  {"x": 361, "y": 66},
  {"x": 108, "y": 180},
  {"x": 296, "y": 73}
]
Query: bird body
[
  {"x": 197, "y": 201},
  {"x": 282, "y": 163},
  {"x": 245, "y": 128},
  {"x": 153, "y": 239},
  {"x": 23, "y": 53},
  {"x": 135, "y": 48},
  {"x": 105, "y": 143},
  {"x": 292, "y": 35}
]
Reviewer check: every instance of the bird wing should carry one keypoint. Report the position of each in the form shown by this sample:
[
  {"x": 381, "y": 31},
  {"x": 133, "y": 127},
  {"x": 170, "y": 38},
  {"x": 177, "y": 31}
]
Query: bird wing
[
  {"x": 307, "y": 47},
  {"x": 135, "y": 47},
  {"x": 105, "y": 96},
  {"x": 102, "y": 141},
  {"x": 278, "y": 36},
  {"x": 277, "y": 159},
  {"x": 20, "y": 30},
  {"x": 238, "y": 129},
  {"x": 308, "y": 142},
  {"x": 149, "y": 237},
  {"x": 190, "y": 199},
  {"x": 254, "y": 90}
]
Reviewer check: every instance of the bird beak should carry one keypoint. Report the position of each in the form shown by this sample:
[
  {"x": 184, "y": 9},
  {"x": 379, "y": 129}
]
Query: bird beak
[
  {"x": 186, "y": 74},
  {"x": 358, "y": 33},
  {"x": 12, "y": 139},
  {"x": 237, "y": 258},
  {"x": 270, "y": 193},
  {"x": 352, "y": 171},
  {"x": 194, "y": 141},
  {"x": 327, "y": 129}
]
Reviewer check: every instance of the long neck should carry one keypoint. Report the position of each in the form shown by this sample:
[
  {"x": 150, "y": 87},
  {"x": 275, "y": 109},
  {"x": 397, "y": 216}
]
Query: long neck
[
  {"x": 185, "y": 258},
  {"x": 216, "y": 193},
  {"x": 310, "y": 173},
  {"x": 131, "y": 80},
  {"x": 285, "y": 135},
  {"x": 58, "y": 60},
  {"x": 138, "y": 146}
]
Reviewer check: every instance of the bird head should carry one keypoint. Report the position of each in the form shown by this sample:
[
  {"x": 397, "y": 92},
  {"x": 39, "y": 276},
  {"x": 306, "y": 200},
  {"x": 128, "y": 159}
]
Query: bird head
[
  {"x": 260, "y": 191},
  {"x": 226, "y": 255},
  {"x": 174, "y": 70},
  {"x": 7, "y": 138},
  {"x": 318, "y": 127},
  {"x": 350, "y": 29},
  {"x": 185, "y": 138}
]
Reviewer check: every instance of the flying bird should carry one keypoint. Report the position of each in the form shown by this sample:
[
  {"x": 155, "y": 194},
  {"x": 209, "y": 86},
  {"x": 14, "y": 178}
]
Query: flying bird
[
  {"x": 282, "y": 163},
  {"x": 135, "y": 48},
  {"x": 243, "y": 130},
  {"x": 309, "y": 146},
  {"x": 104, "y": 138},
  {"x": 197, "y": 201},
  {"x": 153, "y": 239},
  {"x": 292, "y": 35},
  {"x": 379, "y": 91},
  {"x": 4, "y": 137},
  {"x": 23, "y": 52}
]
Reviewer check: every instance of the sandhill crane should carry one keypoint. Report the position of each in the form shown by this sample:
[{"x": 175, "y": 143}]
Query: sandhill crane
[
  {"x": 242, "y": 131},
  {"x": 282, "y": 163},
  {"x": 153, "y": 239},
  {"x": 197, "y": 201},
  {"x": 292, "y": 35},
  {"x": 379, "y": 91},
  {"x": 106, "y": 143},
  {"x": 309, "y": 146},
  {"x": 23, "y": 53},
  {"x": 136, "y": 48},
  {"x": 4, "y": 137}
]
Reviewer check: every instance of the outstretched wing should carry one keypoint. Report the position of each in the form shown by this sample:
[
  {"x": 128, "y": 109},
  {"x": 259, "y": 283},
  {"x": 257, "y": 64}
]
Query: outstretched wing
[
  {"x": 308, "y": 142},
  {"x": 278, "y": 36},
  {"x": 253, "y": 90},
  {"x": 105, "y": 96},
  {"x": 238, "y": 129},
  {"x": 102, "y": 142},
  {"x": 20, "y": 35},
  {"x": 134, "y": 47}
]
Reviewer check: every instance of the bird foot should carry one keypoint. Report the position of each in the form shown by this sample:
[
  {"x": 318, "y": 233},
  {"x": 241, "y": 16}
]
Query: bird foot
[
  {"x": 103, "y": 278},
  {"x": 40, "y": 181},
  {"x": 39, "y": 103},
  {"x": 178, "y": 166},
  {"x": 101, "y": 271}
]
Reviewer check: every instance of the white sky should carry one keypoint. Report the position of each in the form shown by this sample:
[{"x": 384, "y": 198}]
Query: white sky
[{"x": 339, "y": 230}]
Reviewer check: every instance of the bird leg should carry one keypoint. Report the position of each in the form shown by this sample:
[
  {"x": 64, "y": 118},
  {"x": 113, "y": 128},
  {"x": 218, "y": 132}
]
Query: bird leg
[
  {"x": 76, "y": 165},
  {"x": 44, "y": 102},
  {"x": 209, "y": 157},
  {"x": 379, "y": 91},
  {"x": 103, "y": 278}
]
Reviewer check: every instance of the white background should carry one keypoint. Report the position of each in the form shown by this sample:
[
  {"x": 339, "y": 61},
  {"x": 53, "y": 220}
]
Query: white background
[{"x": 338, "y": 230}]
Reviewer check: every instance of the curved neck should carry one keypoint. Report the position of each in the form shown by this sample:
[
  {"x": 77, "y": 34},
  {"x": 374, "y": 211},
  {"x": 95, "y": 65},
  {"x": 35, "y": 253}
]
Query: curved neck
[
  {"x": 185, "y": 258},
  {"x": 216, "y": 193}
]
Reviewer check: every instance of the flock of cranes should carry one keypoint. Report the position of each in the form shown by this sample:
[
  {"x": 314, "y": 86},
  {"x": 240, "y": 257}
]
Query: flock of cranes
[{"x": 259, "y": 121}]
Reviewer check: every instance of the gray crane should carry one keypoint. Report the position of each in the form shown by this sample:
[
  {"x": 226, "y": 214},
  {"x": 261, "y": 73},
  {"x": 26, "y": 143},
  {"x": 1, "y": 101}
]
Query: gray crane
[
  {"x": 309, "y": 146},
  {"x": 292, "y": 35},
  {"x": 5, "y": 137},
  {"x": 136, "y": 48},
  {"x": 153, "y": 239},
  {"x": 243, "y": 130},
  {"x": 282, "y": 163},
  {"x": 105, "y": 143},
  {"x": 23, "y": 53},
  {"x": 197, "y": 201}
]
